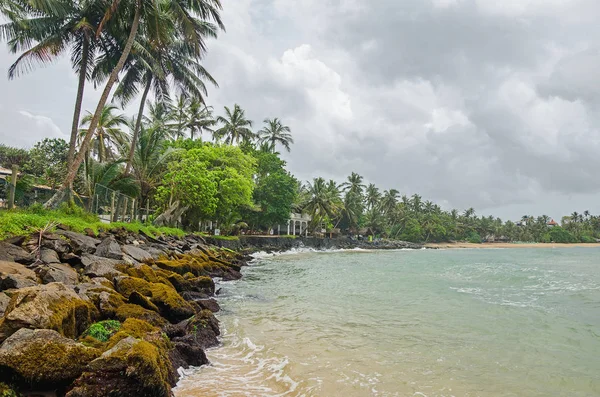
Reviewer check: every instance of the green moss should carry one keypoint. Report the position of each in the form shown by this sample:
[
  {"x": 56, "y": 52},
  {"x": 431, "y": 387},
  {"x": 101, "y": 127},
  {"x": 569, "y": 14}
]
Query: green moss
[
  {"x": 165, "y": 297},
  {"x": 103, "y": 330},
  {"x": 71, "y": 317},
  {"x": 7, "y": 391},
  {"x": 128, "y": 311},
  {"x": 50, "y": 362}
]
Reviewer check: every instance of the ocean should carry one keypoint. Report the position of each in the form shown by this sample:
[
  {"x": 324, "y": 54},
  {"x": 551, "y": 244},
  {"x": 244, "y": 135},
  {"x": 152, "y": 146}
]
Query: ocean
[{"x": 428, "y": 323}]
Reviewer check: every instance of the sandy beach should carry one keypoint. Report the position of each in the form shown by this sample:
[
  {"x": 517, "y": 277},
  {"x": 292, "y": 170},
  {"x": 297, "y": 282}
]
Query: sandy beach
[{"x": 510, "y": 245}]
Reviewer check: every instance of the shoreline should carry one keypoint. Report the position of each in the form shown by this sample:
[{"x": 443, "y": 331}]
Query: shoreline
[{"x": 508, "y": 245}]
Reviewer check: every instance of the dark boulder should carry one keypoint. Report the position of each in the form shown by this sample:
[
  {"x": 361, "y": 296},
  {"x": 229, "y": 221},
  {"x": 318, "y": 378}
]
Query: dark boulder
[
  {"x": 58, "y": 273},
  {"x": 13, "y": 253},
  {"x": 109, "y": 248},
  {"x": 136, "y": 253},
  {"x": 80, "y": 243}
]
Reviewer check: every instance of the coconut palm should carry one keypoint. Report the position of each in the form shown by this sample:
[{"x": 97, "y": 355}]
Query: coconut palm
[
  {"x": 199, "y": 118},
  {"x": 354, "y": 184},
  {"x": 235, "y": 126},
  {"x": 372, "y": 196},
  {"x": 44, "y": 30},
  {"x": 321, "y": 201},
  {"x": 389, "y": 201},
  {"x": 275, "y": 132},
  {"x": 109, "y": 134},
  {"x": 189, "y": 18}
]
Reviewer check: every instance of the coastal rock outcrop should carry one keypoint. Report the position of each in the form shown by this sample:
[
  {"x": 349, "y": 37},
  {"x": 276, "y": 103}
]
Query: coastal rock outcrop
[{"x": 114, "y": 315}]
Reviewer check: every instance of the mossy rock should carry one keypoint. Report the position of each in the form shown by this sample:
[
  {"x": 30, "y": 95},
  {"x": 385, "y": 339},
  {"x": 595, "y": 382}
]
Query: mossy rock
[
  {"x": 51, "y": 306},
  {"x": 105, "y": 299},
  {"x": 132, "y": 367},
  {"x": 43, "y": 359},
  {"x": 198, "y": 265},
  {"x": 128, "y": 310},
  {"x": 170, "y": 304}
]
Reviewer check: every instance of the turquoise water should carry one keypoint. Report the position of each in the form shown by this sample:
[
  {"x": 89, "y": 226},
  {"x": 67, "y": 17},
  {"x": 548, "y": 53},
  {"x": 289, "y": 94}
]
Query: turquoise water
[{"x": 493, "y": 322}]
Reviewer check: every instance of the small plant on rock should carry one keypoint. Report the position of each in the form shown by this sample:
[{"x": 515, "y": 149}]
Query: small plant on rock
[{"x": 103, "y": 330}]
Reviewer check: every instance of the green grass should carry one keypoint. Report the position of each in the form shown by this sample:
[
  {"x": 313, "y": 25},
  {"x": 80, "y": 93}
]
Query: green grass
[
  {"x": 103, "y": 330},
  {"x": 26, "y": 221}
]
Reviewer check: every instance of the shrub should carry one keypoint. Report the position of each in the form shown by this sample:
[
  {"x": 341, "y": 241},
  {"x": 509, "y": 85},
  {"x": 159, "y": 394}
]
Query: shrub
[
  {"x": 103, "y": 330},
  {"x": 474, "y": 238}
]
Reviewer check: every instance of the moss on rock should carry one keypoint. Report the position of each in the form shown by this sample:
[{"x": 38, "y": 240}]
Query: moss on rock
[
  {"x": 128, "y": 310},
  {"x": 170, "y": 304},
  {"x": 51, "y": 306},
  {"x": 43, "y": 358}
]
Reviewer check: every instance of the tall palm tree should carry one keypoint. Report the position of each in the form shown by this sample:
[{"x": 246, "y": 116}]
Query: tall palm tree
[
  {"x": 109, "y": 134},
  {"x": 321, "y": 201},
  {"x": 235, "y": 126},
  {"x": 354, "y": 184},
  {"x": 43, "y": 30},
  {"x": 389, "y": 201},
  {"x": 199, "y": 118},
  {"x": 275, "y": 132},
  {"x": 189, "y": 18},
  {"x": 372, "y": 196}
]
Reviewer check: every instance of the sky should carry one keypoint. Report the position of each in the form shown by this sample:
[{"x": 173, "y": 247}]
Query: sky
[{"x": 470, "y": 103}]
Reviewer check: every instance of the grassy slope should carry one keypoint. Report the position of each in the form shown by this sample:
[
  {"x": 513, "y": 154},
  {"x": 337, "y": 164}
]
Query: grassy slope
[{"x": 20, "y": 222}]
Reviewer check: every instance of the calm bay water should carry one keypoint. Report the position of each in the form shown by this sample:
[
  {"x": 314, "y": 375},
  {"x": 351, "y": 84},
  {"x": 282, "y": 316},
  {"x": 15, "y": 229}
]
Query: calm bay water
[{"x": 493, "y": 322}]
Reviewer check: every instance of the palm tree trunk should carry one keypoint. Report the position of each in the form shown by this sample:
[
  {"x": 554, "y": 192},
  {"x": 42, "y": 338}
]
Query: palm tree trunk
[
  {"x": 138, "y": 123},
  {"x": 85, "y": 55},
  {"x": 72, "y": 171}
]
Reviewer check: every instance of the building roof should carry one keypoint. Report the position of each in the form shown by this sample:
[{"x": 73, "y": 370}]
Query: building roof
[{"x": 552, "y": 223}]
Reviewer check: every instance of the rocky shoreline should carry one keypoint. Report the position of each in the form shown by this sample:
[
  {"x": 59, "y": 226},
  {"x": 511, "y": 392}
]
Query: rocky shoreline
[
  {"x": 273, "y": 244},
  {"x": 119, "y": 313},
  {"x": 109, "y": 315}
]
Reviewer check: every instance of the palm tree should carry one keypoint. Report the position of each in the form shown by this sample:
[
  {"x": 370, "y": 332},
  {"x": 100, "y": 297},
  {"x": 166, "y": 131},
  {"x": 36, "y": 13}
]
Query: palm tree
[
  {"x": 108, "y": 135},
  {"x": 372, "y": 196},
  {"x": 389, "y": 201},
  {"x": 149, "y": 162},
  {"x": 353, "y": 184},
  {"x": 321, "y": 201},
  {"x": 235, "y": 126},
  {"x": 275, "y": 132},
  {"x": 44, "y": 30},
  {"x": 189, "y": 18},
  {"x": 199, "y": 118}
]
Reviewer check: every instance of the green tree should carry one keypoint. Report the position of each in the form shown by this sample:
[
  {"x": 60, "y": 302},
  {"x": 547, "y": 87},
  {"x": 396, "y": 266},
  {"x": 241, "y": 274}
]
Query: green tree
[
  {"x": 213, "y": 181},
  {"x": 10, "y": 156},
  {"x": 48, "y": 160}
]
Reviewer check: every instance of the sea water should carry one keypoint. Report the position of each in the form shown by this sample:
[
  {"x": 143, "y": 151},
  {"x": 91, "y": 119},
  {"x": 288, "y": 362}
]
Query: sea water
[{"x": 481, "y": 322}]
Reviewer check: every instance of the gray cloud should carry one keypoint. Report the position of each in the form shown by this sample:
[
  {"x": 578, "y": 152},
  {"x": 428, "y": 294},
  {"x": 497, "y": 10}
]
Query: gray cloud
[{"x": 470, "y": 103}]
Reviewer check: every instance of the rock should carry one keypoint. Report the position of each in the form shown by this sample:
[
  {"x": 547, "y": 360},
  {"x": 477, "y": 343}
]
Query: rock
[
  {"x": 202, "y": 330},
  {"x": 4, "y": 300},
  {"x": 15, "y": 275},
  {"x": 48, "y": 256},
  {"x": 13, "y": 253},
  {"x": 80, "y": 243},
  {"x": 55, "y": 243},
  {"x": 96, "y": 266},
  {"x": 132, "y": 367},
  {"x": 128, "y": 310},
  {"x": 102, "y": 281},
  {"x": 109, "y": 248},
  {"x": 59, "y": 273},
  {"x": 170, "y": 304},
  {"x": 183, "y": 356},
  {"x": 138, "y": 299},
  {"x": 136, "y": 253},
  {"x": 43, "y": 358},
  {"x": 104, "y": 298},
  {"x": 50, "y": 306},
  {"x": 16, "y": 268},
  {"x": 208, "y": 304},
  {"x": 15, "y": 281}
]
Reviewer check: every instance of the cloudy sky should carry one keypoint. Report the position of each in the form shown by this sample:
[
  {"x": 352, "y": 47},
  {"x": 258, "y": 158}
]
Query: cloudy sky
[{"x": 470, "y": 103}]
